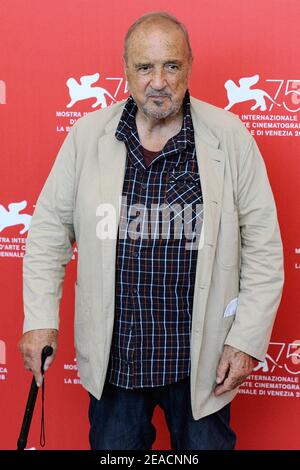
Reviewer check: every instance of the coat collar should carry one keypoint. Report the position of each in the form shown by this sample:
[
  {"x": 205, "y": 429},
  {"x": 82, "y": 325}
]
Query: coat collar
[{"x": 200, "y": 128}]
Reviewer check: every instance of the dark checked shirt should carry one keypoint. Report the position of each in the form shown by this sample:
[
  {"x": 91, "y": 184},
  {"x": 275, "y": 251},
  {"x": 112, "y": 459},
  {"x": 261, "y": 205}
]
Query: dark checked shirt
[{"x": 155, "y": 271}]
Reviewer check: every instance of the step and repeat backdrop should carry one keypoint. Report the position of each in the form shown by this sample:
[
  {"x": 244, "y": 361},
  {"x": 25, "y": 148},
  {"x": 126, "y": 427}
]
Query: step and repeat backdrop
[{"x": 62, "y": 59}]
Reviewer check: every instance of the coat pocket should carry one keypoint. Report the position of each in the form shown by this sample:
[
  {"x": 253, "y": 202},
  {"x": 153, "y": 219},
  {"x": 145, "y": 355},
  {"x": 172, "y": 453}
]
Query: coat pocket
[{"x": 228, "y": 240}]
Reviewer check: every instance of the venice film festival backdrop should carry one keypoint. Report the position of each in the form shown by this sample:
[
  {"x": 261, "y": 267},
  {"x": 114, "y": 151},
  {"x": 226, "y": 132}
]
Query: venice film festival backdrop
[{"x": 46, "y": 48}]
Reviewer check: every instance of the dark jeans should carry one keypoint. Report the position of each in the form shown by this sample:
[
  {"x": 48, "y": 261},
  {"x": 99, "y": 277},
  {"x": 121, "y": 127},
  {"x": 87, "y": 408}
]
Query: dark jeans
[{"x": 121, "y": 420}]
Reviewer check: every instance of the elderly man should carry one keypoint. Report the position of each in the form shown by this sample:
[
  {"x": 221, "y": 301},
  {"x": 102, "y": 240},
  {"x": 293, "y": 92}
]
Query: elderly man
[{"x": 160, "y": 317}]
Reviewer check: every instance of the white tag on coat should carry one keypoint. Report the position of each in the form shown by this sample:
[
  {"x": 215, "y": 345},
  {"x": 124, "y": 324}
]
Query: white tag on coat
[{"x": 231, "y": 307}]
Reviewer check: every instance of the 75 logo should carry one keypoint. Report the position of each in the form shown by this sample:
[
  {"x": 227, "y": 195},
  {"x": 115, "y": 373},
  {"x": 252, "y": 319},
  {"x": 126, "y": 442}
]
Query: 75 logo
[
  {"x": 287, "y": 94},
  {"x": 291, "y": 91},
  {"x": 285, "y": 356}
]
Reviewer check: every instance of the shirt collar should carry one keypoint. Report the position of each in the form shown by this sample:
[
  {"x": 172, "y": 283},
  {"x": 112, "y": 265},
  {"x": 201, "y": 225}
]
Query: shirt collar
[{"x": 127, "y": 127}]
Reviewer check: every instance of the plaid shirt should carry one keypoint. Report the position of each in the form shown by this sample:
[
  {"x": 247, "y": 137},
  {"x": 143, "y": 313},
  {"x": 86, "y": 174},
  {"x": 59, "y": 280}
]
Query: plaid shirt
[{"x": 155, "y": 272}]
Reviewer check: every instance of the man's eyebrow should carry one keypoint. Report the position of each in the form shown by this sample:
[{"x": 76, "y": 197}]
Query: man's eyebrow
[
  {"x": 148, "y": 64},
  {"x": 175, "y": 61},
  {"x": 142, "y": 64}
]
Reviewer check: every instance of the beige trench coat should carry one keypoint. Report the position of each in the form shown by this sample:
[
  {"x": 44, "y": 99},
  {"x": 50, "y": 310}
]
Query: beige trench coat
[{"x": 239, "y": 275}]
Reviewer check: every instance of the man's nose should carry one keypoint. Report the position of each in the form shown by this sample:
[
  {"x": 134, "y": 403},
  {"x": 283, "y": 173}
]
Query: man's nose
[{"x": 158, "y": 81}]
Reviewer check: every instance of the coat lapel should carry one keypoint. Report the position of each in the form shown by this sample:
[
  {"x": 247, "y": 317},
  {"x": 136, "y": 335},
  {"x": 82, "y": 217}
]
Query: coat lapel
[
  {"x": 112, "y": 159},
  {"x": 211, "y": 164}
]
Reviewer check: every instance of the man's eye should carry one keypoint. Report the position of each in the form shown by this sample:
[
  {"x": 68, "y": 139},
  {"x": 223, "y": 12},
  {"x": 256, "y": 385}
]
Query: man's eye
[
  {"x": 144, "y": 68},
  {"x": 172, "y": 67}
]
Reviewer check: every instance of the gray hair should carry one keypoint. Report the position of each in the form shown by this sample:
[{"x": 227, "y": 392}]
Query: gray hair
[{"x": 152, "y": 16}]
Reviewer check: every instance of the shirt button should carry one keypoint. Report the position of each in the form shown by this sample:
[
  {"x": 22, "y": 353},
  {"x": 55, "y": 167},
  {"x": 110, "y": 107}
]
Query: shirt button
[
  {"x": 134, "y": 290},
  {"x": 135, "y": 255},
  {"x": 144, "y": 185}
]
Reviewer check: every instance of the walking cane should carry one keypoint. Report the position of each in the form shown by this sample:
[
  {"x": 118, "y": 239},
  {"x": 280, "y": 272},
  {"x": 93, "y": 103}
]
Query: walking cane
[{"x": 22, "y": 441}]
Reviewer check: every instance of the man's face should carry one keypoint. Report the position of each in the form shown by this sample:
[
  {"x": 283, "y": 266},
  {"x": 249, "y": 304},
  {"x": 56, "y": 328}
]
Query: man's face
[{"x": 158, "y": 69}]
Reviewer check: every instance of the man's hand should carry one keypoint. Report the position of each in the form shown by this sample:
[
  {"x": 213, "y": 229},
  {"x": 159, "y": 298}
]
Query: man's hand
[
  {"x": 234, "y": 367},
  {"x": 31, "y": 345}
]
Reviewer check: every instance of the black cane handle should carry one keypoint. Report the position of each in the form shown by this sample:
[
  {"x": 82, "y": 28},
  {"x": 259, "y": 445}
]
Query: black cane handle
[{"x": 46, "y": 352}]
